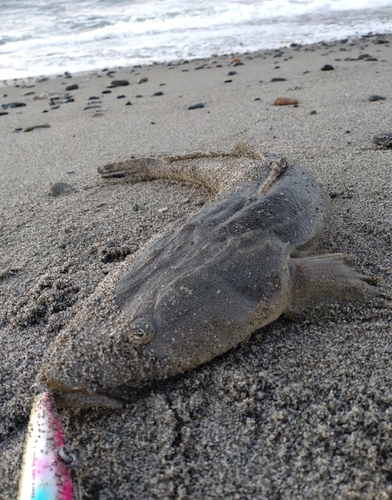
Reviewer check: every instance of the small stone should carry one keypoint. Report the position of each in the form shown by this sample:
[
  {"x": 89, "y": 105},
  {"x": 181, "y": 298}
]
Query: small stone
[
  {"x": 238, "y": 63},
  {"x": 92, "y": 106},
  {"x": 227, "y": 81},
  {"x": 13, "y": 105},
  {"x": 121, "y": 97},
  {"x": 375, "y": 97},
  {"x": 384, "y": 139},
  {"x": 29, "y": 129},
  {"x": 363, "y": 56},
  {"x": 157, "y": 93},
  {"x": 75, "y": 86},
  {"x": 119, "y": 83},
  {"x": 38, "y": 98},
  {"x": 3, "y": 113},
  {"x": 257, "y": 99},
  {"x": 313, "y": 112},
  {"x": 199, "y": 67},
  {"x": 93, "y": 98},
  {"x": 327, "y": 67},
  {"x": 371, "y": 59},
  {"x": 285, "y": 101},
  {"x": 18, "y": 129},
  {"x": 128, "y": 103},
  {"x": 59, "y": 188},
  {"x": 29, "y": 93},
  {"x": 139, "y": 96},
  {"x": 196, "y": 105},
  {"x": 106, "y": 91},
  {"x": 143, "y": 80},
  {"x": 56, "y": 106},
  {"x": 231, "y": 73},
  {"x": 277, "y": 79}
]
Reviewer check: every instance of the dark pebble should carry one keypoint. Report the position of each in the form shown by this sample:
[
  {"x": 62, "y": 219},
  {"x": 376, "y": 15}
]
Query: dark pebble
[
  {"x": 75, "y": 86},
  {"x": 199, "y": 67},
  {"x": 13, "y": 105},
  {"x": 121, "y": 97},
  {"x": 257, "y": 99},
  {"x": 231, "y": 73},
  {"x": 56, "y": 106},
  {"x": 363, "y": 56},
  {"x": 384, "y": 139},
  {"x": 92, "y": 98},
  {"x": 106, "y": 91},
  {"x": 371, "y": 59},
  {"x": 17, "y": 129},
  {"x": 375, "y": 97},
  {"x": 59, "y": 188},
  {"x": 3, "y": 113},
  {"x": 313, "y": 112},
  {"x": 29, "y": 129},
  {"x": 278, "y": 79},
  {"x": 128, "y": 103},
  {"x": 327, "y": 67},
  {"x": 158, "y": 93},
  {"x": 119, "y": 83},
  {"x": 196, "y": 105},
  {"x": 227, "y": 81}
]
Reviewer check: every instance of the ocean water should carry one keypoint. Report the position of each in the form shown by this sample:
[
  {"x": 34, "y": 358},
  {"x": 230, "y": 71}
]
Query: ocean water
[{"x": 50, "y": 36}]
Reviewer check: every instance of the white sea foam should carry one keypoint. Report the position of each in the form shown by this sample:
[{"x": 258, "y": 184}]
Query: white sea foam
[{"x": 44, "y": 37}]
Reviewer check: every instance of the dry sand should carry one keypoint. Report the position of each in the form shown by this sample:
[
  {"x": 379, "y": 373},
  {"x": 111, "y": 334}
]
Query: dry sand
[{"x": 302, "y": 410}]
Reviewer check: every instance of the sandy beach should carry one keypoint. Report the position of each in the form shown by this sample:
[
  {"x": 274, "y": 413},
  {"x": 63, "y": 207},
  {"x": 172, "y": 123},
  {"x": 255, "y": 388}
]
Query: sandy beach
[{"x": 303, "y": 409}]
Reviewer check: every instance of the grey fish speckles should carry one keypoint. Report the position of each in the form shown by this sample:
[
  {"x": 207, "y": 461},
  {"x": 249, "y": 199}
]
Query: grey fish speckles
[{"x": 204, "y": 286}]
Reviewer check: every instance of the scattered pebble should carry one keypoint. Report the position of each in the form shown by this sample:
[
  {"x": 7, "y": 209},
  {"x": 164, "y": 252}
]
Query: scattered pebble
[
  {"x": 56, "y": 106},
  {"x": 75, "y": 86},
  {"x": 143, "y": 80},
  {"x": 13, "y": 105},
  {"x": 28, "y": 93},
  {"x": 277, "y": 79},
  {"x": 327, "y": 67},
  {"x": 375, "y": 97},
  {"x": 139, "y": 95},
  {"x": 106, "y": 91},
  {"x": 29, "y": 129},
  {"x": 18, "y": 129},
  {"x": 93, "y": 98},
  {"x": 119, "y": 83},
  {"x": 371, "y": 59},
  {"x": 313, "y": 112},
  {"x": 285, "y": 101},
  {"x": 384, "y": 139},
  {"x": 59, "y": 188},
  {"x": 227, "y": 81},
  {"x": 128, "y": 103},
  {"x": 3, "y": 113},
  {"x": 257, "y": 99},
  {"x": 231, "y": 73},
  {"x": 157, "y": 93},
  {"x": 196, "y": 105},
  {"x": 120, "y": 96}
]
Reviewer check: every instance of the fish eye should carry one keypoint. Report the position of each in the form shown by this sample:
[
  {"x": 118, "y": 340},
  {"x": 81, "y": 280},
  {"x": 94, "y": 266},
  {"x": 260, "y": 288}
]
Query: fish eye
[{"x": 142, "y": 331}]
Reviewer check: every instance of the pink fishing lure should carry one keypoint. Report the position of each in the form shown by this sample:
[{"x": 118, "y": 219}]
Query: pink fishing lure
[{"x": 45, "y": 475}]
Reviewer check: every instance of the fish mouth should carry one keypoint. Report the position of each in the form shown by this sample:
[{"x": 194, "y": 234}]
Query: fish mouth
[{"x": 66, "y": 396}]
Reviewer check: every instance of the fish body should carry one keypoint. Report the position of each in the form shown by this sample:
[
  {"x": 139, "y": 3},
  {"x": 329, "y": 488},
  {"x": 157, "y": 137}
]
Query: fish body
[
  {"x": 45, "y": 475},
  {"x": 204, "y": 286}
]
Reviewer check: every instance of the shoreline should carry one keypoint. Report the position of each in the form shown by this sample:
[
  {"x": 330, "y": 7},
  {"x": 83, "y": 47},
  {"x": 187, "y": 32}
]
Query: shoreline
[
  {"x": 355, "y": 39},
  {"x": 301, "y": 410}
]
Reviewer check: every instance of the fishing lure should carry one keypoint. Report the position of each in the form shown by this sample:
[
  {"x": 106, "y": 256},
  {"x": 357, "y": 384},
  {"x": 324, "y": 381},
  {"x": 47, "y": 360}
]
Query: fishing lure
[{"x": 45, "y": 475}]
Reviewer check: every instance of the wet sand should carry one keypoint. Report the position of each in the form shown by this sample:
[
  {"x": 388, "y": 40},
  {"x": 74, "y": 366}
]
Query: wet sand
[{"x": 302, "y": 410}]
